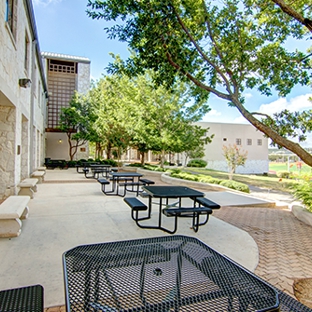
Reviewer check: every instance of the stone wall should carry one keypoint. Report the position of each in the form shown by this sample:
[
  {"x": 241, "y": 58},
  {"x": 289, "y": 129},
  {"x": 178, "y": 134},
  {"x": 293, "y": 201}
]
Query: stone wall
[{"x": 7, "y": 143}]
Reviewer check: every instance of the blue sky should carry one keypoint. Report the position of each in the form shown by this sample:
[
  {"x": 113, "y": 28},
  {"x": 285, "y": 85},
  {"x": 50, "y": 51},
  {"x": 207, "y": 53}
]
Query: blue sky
[{"x": 63, "y": 27}]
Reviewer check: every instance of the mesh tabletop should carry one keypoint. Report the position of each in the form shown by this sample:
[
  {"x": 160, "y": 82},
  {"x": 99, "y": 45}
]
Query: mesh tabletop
[
  {"x": 24, "y": 299},
  {"x": 172, "y": 191},
  {"x": 171, "y": 273}
]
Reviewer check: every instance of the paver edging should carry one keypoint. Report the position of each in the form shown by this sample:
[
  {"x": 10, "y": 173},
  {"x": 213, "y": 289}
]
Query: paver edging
[{"x": 301, "y": 213}]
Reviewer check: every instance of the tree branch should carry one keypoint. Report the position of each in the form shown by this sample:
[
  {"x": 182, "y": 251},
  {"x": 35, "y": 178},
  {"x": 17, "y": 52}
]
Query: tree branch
[
  {"x": 293, "y": 13},
  {"x": 201, "y": 52},
  {"x": 196, "y": 81},
  {"x": 278, "y": 139}
]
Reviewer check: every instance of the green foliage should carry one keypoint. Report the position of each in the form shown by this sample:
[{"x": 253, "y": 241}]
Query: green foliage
[
  {"x": 154, "y": 168},
  {"x": 283, "y": 174},
  {"x": 76, "y": 121},
  {"x": 136, "y": 165},
  {"x": 194, "y": 177},
  {"x": 71, "y": 163},
  {"x": 199, "y": 163},
  {"x": 81, "y": 161},
  {"x": 222, "y": 49},
  {"x": 303, "y": 192},
  {"x": 235, "y": 185},
  {"x": 110, "y": 162},
  {"x": 234, "y": 157}
]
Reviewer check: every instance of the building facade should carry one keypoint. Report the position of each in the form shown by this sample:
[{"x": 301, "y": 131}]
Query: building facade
[
  {"x": 23, "y": 96},
  {"x": 246, "y": 137},
  {"x": 65, "y": 74}
]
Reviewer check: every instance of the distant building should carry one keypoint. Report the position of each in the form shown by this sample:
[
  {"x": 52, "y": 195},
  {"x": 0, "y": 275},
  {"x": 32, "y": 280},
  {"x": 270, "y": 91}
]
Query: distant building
[
  {"x": 245, "y": 136},
  {"x": 65, "y": 74},
  {"x": 23, "y": 96}
]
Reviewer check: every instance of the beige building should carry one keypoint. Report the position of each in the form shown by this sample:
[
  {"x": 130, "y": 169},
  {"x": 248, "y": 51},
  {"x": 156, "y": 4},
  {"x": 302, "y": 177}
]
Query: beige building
[
  {"x": 23, "y": 96},
  {"x": 65, "y": 74},
  {"x": 245, "y": 136}
]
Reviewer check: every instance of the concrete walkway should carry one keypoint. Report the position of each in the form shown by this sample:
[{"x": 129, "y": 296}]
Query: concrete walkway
[{"x": 70, "y": 210}]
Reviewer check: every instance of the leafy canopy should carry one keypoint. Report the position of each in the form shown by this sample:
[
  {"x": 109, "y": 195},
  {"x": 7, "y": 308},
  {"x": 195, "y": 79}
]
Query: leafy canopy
[{"x": 222, "y": 47}]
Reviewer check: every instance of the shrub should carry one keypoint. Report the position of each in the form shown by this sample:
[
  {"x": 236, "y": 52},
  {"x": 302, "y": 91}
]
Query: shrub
[
  {"x": 110, "y": 162},
  {"x": 154, "y": 168},
  {"x": 235, "y": 185},
  {"x": 71, "y": 163},
  {"x": 208, "y": 179},
  {"x": 135, "y": 165},
  {"x": 303, "y": 192},
  {"x": 199, "y": 163},
  {"x": 80, "y": 161},
  {"x": 283, "y": 174}
]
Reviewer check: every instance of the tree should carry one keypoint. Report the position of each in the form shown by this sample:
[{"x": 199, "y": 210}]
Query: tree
[
  {"x": 76, "y": 121},
  {"x": 138, "y": 113},
  {"x": 234, "y": 157},
  {"x": 223, "y": 49}
]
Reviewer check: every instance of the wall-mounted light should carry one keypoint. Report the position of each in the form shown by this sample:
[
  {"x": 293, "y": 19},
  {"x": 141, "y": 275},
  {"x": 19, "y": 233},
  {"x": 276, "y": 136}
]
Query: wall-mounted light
[
  {"x": 24, "y": 82},
  {"x": 60, "y": 141}
]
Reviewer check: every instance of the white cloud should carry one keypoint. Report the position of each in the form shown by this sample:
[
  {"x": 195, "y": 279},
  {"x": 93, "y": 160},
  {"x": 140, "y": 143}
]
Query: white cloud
[
  {"x": 297, "y": 103},
  {"x": 213, "y": 112},
  {"x": 45, "y": 2},
  {"x": 240, "y": 120},
  {"x": 247, "y": 95}
]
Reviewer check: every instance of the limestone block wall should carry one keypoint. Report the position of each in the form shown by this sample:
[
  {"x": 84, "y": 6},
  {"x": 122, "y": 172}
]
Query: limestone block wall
[
  {"x": 22, "y": 110},
  {"x": 7, "y": 143}
]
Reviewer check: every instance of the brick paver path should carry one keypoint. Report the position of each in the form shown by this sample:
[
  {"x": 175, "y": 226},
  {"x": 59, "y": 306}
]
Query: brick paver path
[{"x": 284, "y": 242}]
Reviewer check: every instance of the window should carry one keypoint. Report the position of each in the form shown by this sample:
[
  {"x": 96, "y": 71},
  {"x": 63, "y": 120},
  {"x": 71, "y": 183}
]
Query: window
[
  {"x": 224, "y": 139},
  {"x": 238, "y": 141},
  {"x": 249, "y": 141},
  {"x": 10, "y": 15},
  {"x": 259, "y": 142},
  {"x": 26, "y": 55}
]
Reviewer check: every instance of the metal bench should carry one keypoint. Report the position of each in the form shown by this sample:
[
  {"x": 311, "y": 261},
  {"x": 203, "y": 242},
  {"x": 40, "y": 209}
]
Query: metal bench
[
  {"x": 202, "y": 201},
  {"x": 126, "y": 184},
  {"x": 147, "y": 182},
  {"x": 23, "y": 299},
  {"x": 136, "y": 206},
  {"x": 188, "y": 212}
]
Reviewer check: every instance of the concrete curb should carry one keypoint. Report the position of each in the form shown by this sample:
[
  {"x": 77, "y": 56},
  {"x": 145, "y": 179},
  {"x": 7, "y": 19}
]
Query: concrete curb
[{"x": 302, "y": 214}]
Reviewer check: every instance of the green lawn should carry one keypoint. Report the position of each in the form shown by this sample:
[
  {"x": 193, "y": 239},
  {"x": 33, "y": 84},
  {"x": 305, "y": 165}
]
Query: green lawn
[
  {"x": 271, "y": 181},
  {"x": 283, "y": 166}
]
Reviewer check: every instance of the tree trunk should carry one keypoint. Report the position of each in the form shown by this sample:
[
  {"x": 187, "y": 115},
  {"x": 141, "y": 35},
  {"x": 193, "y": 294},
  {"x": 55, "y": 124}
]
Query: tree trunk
[
  {"x": 278, "y": 139},
  {"x": 142, "y": 158}
]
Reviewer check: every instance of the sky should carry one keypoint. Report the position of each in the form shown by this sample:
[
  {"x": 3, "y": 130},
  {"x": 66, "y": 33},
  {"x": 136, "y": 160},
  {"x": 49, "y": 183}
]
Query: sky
[{"x": 64, "y": 27}]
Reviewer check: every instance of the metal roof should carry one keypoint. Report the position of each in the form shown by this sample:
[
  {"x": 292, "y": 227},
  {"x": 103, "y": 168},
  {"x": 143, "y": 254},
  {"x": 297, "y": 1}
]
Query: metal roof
[{"x": 65, "y": 57}]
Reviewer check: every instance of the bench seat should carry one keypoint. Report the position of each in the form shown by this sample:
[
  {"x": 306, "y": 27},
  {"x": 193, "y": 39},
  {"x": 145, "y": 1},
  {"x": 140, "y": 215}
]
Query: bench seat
[
  {"x": 136, "y": 205},
  {"x": 28, "y": 187},
  {"x": 188, "y": 212},
  {"x": 41, "y": 169},
  {"x": 202, "y": 201},
  {"x": 147, "y": 182},
  {"x": 126, "y": 184},
  {"x": 38, "y": 175},
  {"x": 12, "y": 211}
]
